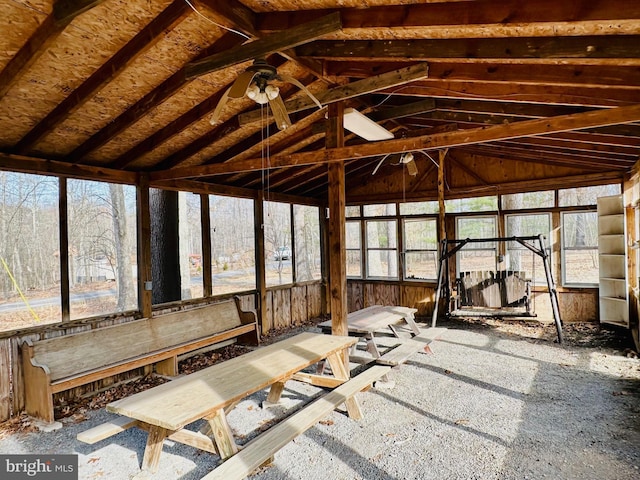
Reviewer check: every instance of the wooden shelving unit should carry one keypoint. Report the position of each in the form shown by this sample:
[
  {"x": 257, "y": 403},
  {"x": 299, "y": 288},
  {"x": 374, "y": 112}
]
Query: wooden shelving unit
[{"x": 612, "y": 255}]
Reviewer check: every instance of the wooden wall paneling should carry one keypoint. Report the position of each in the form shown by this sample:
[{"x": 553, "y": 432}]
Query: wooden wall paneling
[
  {"x": 299, "y": 305},
  {"x": 314, "y": 300},
  {"x": 17, "y": 376},
  {"x": 282, "y": 308},
  {"x": 5, "y": 379},
  {"x": 267, "y": 314},
  {"x": 420, "y": 297},
  {"x": 574, "y": 306}
]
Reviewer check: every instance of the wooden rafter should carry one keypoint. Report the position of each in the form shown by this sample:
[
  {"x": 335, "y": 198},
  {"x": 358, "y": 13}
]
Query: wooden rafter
[
  {"x": 159, "y": 94},
  {"x": 266, "y": 45},
  {"x": 64, "y": 11},
  {"x": 172, "y": 15},
  {"x": 589, "y": 46},
  {"x": 497, "y": 18},
  {"x": 429, "y": 142}
]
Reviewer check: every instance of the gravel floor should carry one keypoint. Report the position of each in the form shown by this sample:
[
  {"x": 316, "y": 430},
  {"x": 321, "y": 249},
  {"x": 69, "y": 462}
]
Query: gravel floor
[{"x": 489, "y": 403}]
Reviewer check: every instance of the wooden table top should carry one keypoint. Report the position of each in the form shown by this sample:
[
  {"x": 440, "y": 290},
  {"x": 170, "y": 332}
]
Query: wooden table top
[
  {"x": 375, "y": 317},
  {"x": 182, "y": 401}
]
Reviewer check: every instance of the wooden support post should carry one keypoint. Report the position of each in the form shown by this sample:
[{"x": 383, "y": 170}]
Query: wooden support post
[
  {"x": 261, "y": 275},
  {"x": 144, "y": 247},
  {"x": 205, "y": 217},
  {"x": 64, "y": 250},
  {"x": 337, "y": 230}
]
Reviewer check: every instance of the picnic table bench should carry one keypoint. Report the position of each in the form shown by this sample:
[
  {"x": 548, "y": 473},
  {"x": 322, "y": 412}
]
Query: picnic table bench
[
  {"x": 365, "y": 323},
  {"x": 164, "y": 411}
]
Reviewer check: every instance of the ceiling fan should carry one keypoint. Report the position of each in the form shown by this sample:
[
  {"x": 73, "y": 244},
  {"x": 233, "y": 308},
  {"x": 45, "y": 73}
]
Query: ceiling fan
[
  {"x": 406, "y": 158},
  {"x": 256, "y": 82}
]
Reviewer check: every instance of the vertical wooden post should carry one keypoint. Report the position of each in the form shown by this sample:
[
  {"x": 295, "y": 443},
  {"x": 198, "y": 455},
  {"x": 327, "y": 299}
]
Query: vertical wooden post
[
  {"x": 337, "y": 229},
  {"x": 261, "y": 275},
  {"x": 64, "y": 249},
  {"x": 205, "y": 220},
  {"x": 324, "y": 248},
  {"x": 442, "y": 230},
  {"x": 144, "y": 247}
]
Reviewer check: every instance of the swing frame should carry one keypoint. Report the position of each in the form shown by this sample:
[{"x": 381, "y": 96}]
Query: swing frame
[{"x": 450, "y": 247}]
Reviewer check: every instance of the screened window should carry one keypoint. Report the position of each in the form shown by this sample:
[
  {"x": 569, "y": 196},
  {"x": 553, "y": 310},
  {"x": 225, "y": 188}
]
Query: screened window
[
  {"x": 580, "y": 248},
  {"x": 520, "y": 258},
  {"x": 476, "y": 204},
  {"x": 478, "y": 256},
  {"x": 352, "y": 211},
  {"x": 354, "y": 249},
  {"x": 190, "y": 240},
  {"x": 307, "y": 240},
  {"x": 379, "y": 210},
  {"x": 519, "y": 201},
  {"x": 572, "y": 197},
  {"x": 420, "y": 249},
  {"x": 102, "y": 246},
  {"x": 419, "y": 208},
  {"x": 232, "y": 244},
  {"x": 29, "y": 251},
  {"x": 277, "y": 243},
  {"x": 382, "y": 249}
]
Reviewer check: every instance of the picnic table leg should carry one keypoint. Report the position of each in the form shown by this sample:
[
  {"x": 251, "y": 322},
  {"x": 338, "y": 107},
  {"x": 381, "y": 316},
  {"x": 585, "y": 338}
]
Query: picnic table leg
[
  {"x": 340, "y": 371},
  {"x": 372, "y": 348},
  {"x": 273, "y": 398},
  {"x": 152, "y": 451},
  {"x": 412, "y": 324},
  {"x": 222, "y": 434}
]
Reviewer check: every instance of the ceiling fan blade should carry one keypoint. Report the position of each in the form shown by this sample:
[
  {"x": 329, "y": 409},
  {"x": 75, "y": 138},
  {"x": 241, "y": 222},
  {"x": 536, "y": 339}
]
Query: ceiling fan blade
[
  {"x": 239, "y": 87},
  {"x": 379, "y": 165},
  {"x": 412, "y": 168},
  {"x": 215, "y": 118},
  {"x": 294, "y": 81},
  {"x": 280, "y": 113}
]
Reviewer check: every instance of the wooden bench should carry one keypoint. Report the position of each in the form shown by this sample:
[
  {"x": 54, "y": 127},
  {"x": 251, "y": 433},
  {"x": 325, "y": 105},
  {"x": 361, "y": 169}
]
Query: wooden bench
[
  {"x": 400, "y": 354},
  {"x": 58, "y": 364},
  {"x": 262, "y": 448}
]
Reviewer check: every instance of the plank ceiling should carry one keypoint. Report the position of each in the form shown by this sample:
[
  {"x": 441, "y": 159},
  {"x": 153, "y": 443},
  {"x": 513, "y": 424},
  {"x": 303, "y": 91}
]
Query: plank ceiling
[{"x": 520, "y": 93}]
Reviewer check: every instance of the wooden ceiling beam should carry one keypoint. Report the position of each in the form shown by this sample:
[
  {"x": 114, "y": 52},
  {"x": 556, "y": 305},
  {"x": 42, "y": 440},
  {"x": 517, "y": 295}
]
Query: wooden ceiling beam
[
  {"x": 604, "y": 76},
  {"x": 149, "y": 35},
  {"x": 587, "y": 96},
  {"x": 266, "y": 45},
  {"x": 351, "y": 90},
  {"x": 413, "y": 108},
  {"x": 64, "y": 11},
  {"x": 485, "y": 18},
  {"x": 536, "y": 156},
  {"x": 238, "y": 15},
  {"x": 151, "y": 100},
  {"x": 524, "y": 128},
  {"x": 22, "y": 163},
  {"x": 588, "y": 46}
]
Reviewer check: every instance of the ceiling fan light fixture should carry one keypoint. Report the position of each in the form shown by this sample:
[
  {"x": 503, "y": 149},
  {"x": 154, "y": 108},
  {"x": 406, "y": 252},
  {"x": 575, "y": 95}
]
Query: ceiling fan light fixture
[{"x": 364, "y": 127}]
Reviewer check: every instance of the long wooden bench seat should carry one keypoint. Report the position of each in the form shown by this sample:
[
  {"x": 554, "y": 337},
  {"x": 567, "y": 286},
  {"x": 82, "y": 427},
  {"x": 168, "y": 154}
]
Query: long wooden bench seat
[
  {"x": 262, "y": 448},
  {"x": 58, "y": 364}
]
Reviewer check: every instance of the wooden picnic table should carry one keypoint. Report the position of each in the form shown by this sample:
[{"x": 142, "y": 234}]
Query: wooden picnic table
[
  {"x": 210, "y": 393},
  {"x": 365, "y": 323}
]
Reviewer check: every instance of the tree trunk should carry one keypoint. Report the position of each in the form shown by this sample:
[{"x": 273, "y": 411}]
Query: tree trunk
[
  {"x": 124, "y": 250},
  {"x": 165, "y": 265}
]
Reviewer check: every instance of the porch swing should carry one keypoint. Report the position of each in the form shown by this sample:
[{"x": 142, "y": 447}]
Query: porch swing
[{"x": 501, "y": 293}]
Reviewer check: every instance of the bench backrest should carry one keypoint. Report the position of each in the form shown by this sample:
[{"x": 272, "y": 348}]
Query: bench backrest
[
  {"x": 492, "y": 289},
  {"x": 91, "y": 350}
]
